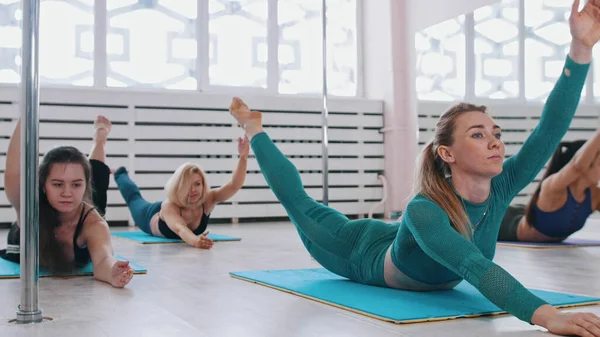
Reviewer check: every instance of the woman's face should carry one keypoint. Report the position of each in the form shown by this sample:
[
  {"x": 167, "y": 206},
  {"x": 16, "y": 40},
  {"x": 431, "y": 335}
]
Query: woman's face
[
  {"x": 476, "y": 148},
  {"x": 65, "y": 186},
  {"x": 196, "y": 188}
]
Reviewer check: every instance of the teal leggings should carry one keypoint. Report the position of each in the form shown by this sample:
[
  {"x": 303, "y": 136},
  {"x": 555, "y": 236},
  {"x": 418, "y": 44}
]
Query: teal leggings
[{"x": 350, "y": 248}]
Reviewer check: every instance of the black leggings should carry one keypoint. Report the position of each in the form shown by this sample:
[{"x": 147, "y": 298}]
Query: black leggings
[
  {"x": 510, "y": 223},
  {"x": 100, "y": 182}
]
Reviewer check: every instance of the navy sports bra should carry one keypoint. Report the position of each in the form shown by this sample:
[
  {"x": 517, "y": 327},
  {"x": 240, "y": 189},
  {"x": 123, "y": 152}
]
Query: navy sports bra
[
  {"x": 168, "y": 233},
  {"x": 566, "y": 220}
]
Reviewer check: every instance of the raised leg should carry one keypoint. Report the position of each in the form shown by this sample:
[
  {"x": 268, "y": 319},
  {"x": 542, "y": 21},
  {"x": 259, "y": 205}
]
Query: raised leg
[
  {"x": 141, "y": 210},
  {"x": 329, "y": 236}
]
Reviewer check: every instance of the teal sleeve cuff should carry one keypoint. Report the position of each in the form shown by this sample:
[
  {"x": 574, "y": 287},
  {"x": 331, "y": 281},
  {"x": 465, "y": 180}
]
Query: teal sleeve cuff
[
  {"x": 527, "y": 303},
  {"x": 577, "y": 70}
]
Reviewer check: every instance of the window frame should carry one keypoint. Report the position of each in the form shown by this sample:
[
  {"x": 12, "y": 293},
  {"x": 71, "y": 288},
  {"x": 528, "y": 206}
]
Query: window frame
[
  {"x": 100, "y": 62},
  {"x": 470, "y": 74}
]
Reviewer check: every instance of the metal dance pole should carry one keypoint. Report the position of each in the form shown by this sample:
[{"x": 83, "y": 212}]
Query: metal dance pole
[
  {"x": 28, "y": 311},
  {"x": 325, "y": 112}
]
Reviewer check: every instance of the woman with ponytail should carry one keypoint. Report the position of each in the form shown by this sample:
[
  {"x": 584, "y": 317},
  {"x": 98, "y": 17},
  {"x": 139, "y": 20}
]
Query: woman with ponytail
[
  {"x": 449, "y": 229},
  {"x": 561, "y": 204}
]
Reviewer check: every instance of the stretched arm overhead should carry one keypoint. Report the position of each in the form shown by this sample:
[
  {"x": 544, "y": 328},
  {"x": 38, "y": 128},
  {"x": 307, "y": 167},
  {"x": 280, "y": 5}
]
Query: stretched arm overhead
[
  {"x": 239, "y": 176},
  {"x": 12, "y": 172},
  {"x": 580, "y": 163},
  {"x": 176, "y": 223},
  {"x": 520, "y": 169},
  {"x": 439, "y": 240},
  {"x": 561, "y": 105}
]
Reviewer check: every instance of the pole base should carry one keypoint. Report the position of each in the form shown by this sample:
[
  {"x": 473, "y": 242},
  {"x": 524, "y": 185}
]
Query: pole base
[{"x": 29, "y": 317}]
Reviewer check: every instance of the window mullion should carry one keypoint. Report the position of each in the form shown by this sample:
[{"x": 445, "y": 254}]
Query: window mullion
[
  {"x": 202, "y": 45},
  {"x": 100, "y": 36}
]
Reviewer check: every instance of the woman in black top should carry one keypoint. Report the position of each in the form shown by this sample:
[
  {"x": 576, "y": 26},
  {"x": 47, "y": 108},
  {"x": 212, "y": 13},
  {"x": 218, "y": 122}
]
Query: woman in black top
[{"x": 72, "y": 202}]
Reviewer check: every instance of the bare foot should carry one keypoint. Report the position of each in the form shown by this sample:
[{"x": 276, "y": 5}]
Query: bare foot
[
  {"x": 102, "y": 127},
  {"x": 248, "y": 120}
]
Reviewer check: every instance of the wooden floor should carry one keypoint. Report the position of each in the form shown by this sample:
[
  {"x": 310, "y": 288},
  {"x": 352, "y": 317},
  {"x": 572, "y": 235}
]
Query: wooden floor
[{"x": 188, "y": 292}]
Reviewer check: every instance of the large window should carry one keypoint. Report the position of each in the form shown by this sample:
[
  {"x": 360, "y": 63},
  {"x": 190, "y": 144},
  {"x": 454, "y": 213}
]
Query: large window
[
  {"x": 494, "y": 66},
  {"x": 269, "y": 45},
  {"x": 547, "y": 43},
  {"x": 441, "y": 61},
  {"x": 151, "y": 43},
  {"x": 238, "y": 56},
  {"x": 66, "y": 46},
  {"x": 496, "y": 50},
  {"x": 300, "y": 46}
]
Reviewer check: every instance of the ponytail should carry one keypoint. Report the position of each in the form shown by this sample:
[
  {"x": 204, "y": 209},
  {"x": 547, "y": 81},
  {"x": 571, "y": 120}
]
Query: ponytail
[{"x": 433, "y": 184}]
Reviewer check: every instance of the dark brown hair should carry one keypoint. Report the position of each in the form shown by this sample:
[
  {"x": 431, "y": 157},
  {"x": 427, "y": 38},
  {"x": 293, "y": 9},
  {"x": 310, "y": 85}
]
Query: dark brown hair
[{"x": 52, "y": 255}]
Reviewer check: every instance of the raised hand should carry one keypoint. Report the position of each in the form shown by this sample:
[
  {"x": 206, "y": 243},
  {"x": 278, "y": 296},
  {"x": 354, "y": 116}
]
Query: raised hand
[
  {"x": 585, "y": 25},
  {"x": 122, "y": 273},
  {"x": 203, "y": 241},
  {"x": 243, "y": 146}
]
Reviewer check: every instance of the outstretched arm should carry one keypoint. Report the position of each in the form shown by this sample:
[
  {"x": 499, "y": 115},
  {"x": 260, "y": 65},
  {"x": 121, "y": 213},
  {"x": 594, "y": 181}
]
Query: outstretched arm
[
  {"x": 176, "y": 223},
  {"x": 12, "y": 172},
  {"x": 439, "y": 240},
  {"x": 577, "y": 166},
  {"x": 432, "y": 230},
  {"x": 239, "y": 176},
  {"x": 106, "y": 267},
  {"x": 561, "y": 105},
  {"x": 520, "y": 169}
]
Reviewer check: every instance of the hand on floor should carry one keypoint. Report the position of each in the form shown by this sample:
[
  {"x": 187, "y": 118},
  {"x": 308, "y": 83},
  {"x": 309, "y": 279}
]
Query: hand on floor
[
  {"x": 575, "y": 324},
  {"x": 204, "y": 242},
  {"x": 122, "y": 273}
]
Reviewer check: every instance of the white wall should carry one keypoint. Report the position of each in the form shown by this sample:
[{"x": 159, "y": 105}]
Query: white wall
[
  {"x": 155, "y": 132},
  {"x": 389, "y": 59}
]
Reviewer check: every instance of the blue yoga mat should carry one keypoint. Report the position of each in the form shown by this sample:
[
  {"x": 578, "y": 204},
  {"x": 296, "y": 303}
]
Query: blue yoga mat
[
  {"x": 10, "y": 269},
  {"x": 398, "y": 306},
  {"x": 568, "y": 243},
  {"x": 142, "y": 237}
]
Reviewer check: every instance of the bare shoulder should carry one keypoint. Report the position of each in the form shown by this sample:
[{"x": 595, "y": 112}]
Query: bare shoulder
[
  {"x": 549, "y": 187},
  {"x": 551, "y": 197},
  {"x": 169, "y": 207},
  {"x": 95, "y": 228}
]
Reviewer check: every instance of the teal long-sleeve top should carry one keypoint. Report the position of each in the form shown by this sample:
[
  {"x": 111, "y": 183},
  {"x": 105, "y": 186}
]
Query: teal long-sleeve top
[{"x": 428, "y": 249}]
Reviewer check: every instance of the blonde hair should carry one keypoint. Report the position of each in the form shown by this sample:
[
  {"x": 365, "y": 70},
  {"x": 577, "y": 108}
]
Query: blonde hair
[
  {"x": 432, "y": 177},
  {"x": 178, "y": 186}
]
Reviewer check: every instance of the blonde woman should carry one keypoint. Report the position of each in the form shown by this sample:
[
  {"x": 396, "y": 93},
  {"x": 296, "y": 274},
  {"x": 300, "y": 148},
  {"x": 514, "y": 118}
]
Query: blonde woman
[{"x": 185, "y": 212}]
